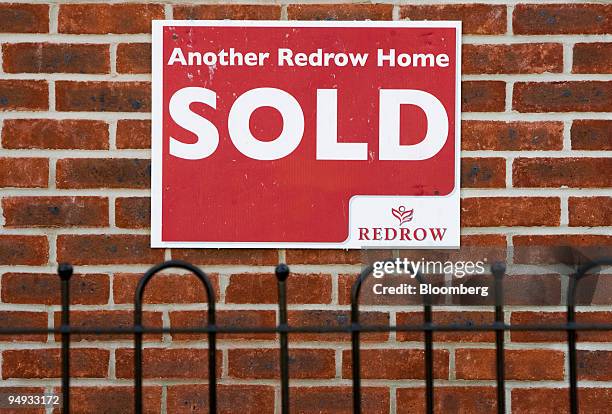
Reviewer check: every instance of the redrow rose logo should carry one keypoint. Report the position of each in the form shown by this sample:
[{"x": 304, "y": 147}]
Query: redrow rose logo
[{"x": 402, "y": 214}]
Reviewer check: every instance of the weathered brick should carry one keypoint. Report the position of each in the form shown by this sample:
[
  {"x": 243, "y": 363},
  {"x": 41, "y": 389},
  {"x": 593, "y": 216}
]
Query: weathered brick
[
  {"x": 262, "y": 288},
  {"x": 592, "y": 134},
  {"x": 553, "y": 248},
  {"x": 512, "y": 58},
  {"x": 511, "y": 136},
  {"x": 23, "y": 250},
  {"x": 20, "y": 319},
  {"x": 24, "y": 18},
  {"x": 590, "y": 211},
  {"x": 133, "y": 133},
  {"x": 46, "y": 363},
  {"x": 108, "y": 319},
  {"x": 253, "y": 257},
  {"x": 476, "y": 18},
  {"x": 559, "y": 172},
  {"x": 592, "y": 58},
  {"x": 227, "y": 11},
  {"x": 165, "y": 363},
  {"x": 264, "y": 363},
  {"x": 55, "y": 58},
  {"x": 112, "y": 399},
  {"x": 55, "y": 134},
  {"x": 333, "y": 318},
  {"x": 556, "y": 400},
  {"x": 524, "y": 364},
  {"x": 245, "y": 399},
  {"x": 224, "y": 319},
  {"x": 339, "y": 11},
  {"x": 23, "y": 391},
  {"x": 570, "y": 96},
  {"x": 134, "y": 58},
  {"x": 43, "y": 288},
  {"x": 133, "y": 212},
  {"x": 24, "y": 95},
  {"x": 103, "y": 173},
  {"x": 55, "y": 211},
  {"x": 396, "y": 364},
  {"x": 468, "y": 400},
  {"x": 483, "y": 96},
  {"x": 448, "y": 318},
  {"x": 89, "y": 249},
  {"x": 320, "y": 256},
  {"x": 337, "y": 400},
  {"x": 103, "y": 96},
  {"x": 559, "y": 318},
  {"x": 594, "y": 365},
  {"x": 24, "y": 172},
  {"x": 483, "y": 172},
  {"x": 108, "y": 18},
  {"x": 510, "y": 211},
  {"x": 163, "y": 288},
  {"x": 562, "y": 19}
]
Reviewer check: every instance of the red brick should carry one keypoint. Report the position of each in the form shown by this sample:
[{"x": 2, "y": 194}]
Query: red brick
[
  {"x": 112, "y": 399},
  {"x": 89, "y": 249},
  {"x": 483, "y": 240},
  {"x": 253, "y": 257},
  {"x": 244, "y": 399},
  {"x": 556, "y": 400},
  {"x": 592, "y": 58},
  {"x": 23, "y": 391},
  {"x": 133, "y": 133},
  {"x": 264, "y": 363},
  {"x": 55, "y": 134},
  {"x": 16, "y": 319},
  {"x": 320, "y": 256},
  {"x": 227, "y": 11},
  {"x": 337, "y": 400},
  {"x": 24, "y": 95},
  {"x": 396, "y": 364},
  {"x": 560, "y": 172},
  {"x": 512, "y": 58},
  {"x": 42, "y": 288},
  {"x": 585, "y": 96},
  {"x": 510, "y": 211},
  {"x": 103, "y": 96},
  {"x": 134, "y": 58},
  {"x": 483, "y": 172},
  {"x": 24, "y": 172},
  {"x": 108, "y": 18},
  {"x": 559, "y": 318},
  {"x": 594, "y": 365},
  {"x": 477, "y": 400},
  {"x": 23, "y": 250},
  {"x": 448, "y": 318},
  {"x": 590, "y": 211},
  {"x": 24, "y": 18},
  {"x": 262, "y": 288},
  {"x": 163, "y": 288},
  {"x": 133, "y": 212},
  {"x": 55, "y": 58},
  {"x": 46, "y": 363},
  {"x": 592, "y": 134},
  {"x": 224, "y": 319},
  {"x": 55, "y": 211},
  {"x": 166, "y": 363},
  {"x": 511, "y": 136},
  {"x": 526, "y": 365},
  {"x": 336, "y": 319},
  {"x": 548, "y": 249},
  {"x": 103, "y": 173},
  {"x": 483, "y": 96},
  {"x": 340, "y": 11},
  {"x": 122, "y": 319},
  {"x": 562, "y": 19},
  {"x": 476, "y": 18}
]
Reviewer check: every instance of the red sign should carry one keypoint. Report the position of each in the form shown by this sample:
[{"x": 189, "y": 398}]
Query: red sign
[{"x": 300, "y": 134}]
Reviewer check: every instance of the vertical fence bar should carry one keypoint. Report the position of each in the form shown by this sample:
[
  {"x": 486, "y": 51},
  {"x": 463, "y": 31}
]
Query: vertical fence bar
[
  {"x": 571, "y": 345},
  {"x": 212, "y": 333},
  {"x": 282, "y": 272},
  {"x": 355, "y": 334},
  {"x": 429, "y": 363},
  {"x": 65, "y": 273},
  {"x": 499, "y": 269}
]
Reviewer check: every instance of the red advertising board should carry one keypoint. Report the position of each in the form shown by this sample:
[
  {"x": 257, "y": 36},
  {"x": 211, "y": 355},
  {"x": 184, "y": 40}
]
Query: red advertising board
[{"x": 305, "y": 134}]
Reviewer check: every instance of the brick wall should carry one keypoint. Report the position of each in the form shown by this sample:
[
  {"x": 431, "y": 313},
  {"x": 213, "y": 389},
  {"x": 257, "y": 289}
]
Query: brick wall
[{"x": 75, "y": 177}]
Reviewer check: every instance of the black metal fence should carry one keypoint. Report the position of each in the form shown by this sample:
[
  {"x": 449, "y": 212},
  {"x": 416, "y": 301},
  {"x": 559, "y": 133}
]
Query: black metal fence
[{"x": 354, "y": 329}]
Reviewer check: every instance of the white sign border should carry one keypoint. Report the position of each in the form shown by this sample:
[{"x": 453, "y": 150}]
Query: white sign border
[{"x": 157, "y": 115}]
